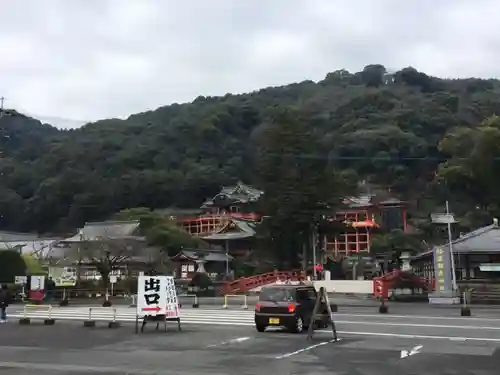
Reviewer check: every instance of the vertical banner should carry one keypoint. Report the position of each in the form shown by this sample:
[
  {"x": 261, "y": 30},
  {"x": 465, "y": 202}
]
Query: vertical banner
[{"x": 442, "y": 269}]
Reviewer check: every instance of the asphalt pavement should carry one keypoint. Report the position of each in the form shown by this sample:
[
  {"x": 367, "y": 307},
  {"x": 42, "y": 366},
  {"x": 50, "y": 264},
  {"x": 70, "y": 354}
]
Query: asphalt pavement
[{"x": 68, "y": 348}]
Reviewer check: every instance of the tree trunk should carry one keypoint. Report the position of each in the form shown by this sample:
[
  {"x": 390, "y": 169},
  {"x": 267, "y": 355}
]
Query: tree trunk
[{"x": 105, "y": 279}]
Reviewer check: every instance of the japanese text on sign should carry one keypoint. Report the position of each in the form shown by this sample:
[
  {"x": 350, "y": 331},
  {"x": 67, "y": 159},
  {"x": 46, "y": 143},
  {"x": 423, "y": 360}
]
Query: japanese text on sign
[
  {"x": 151, "y": 296},
  {"x": 172, "y": 302},
  {"x": 440, "y": 268}
]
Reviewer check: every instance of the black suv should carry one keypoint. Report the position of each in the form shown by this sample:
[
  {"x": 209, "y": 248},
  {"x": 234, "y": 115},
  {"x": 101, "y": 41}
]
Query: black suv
[{"x": 289, "y": 306}]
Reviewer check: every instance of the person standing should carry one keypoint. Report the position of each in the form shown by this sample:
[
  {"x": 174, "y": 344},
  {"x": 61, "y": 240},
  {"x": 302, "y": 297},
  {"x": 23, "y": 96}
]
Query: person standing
[
  {"x": 50, "y": 287},
  {"x": 4, "y": 303}
]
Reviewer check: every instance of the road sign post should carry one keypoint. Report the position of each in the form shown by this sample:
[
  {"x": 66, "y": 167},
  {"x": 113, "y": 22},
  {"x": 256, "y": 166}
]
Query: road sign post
[
  {"x": 21, "y": 280},
  {"x": 113, "y": 280},
  {"x": 322, "y": 299}
]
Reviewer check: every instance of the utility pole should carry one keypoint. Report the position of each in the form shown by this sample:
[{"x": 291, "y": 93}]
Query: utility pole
[
  {"x": 313, "y": 240},
  {"x": 1, "y": 106}
]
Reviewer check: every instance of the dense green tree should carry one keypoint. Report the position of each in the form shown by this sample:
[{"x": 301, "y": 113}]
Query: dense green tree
[
  {"x": 160, "y": 231},
  {"x": 395, "y": 242},
  {"x": 392, "y": 133},
  {"x": 473, "y": 165},
  {"x": 11, "y": 265},
  {"x": 299, "y": 182}
]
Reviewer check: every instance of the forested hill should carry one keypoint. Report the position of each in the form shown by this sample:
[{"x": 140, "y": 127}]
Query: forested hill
[{"x": 384, "y": 128}]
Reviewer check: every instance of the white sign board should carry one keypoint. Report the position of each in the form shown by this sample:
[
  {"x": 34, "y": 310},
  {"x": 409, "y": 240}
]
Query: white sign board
[
  {"x": 151, "y": 296},
  {"x": 172, "y": 308},
  {"x": 113, "y": 279},
  {"x": 21, "y": 280},
  {"x": 37, "y": 283}
]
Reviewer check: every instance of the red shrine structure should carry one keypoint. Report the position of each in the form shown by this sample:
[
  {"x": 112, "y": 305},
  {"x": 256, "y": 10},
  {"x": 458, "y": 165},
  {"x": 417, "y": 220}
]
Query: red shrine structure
[
  {"x": 229, "y": 220},
  {"x": 362, "y": 216}
]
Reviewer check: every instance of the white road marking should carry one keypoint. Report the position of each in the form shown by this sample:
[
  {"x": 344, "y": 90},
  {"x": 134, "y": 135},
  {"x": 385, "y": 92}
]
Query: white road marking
[
  {"x": 121, "y": 310},
  {"x": 434, "y": 317},
  {"x": 228, "y": 342},
  {"x": 246, "y": 319},
  {"x": 414, "y": 325},
  {"x": 408, "y": 336},
  {"x": 415, "y": 350},
  {"x": 303, "y": 349}
]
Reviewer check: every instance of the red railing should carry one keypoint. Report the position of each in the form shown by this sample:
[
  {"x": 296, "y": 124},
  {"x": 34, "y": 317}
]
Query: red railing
[
  {"x": 382, "y": 284},
  {"x": 245, "y": 284}
]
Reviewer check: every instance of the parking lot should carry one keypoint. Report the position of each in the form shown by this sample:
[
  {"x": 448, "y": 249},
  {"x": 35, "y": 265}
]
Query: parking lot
[{"x": 68, "y": 348}]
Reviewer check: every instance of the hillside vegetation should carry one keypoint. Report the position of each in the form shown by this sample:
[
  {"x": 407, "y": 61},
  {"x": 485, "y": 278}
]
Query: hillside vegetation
[{"x": 417, "y": 135}]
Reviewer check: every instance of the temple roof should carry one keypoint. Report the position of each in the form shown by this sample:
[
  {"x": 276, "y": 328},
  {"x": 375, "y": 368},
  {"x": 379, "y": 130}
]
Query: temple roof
[
  {"x": 106, "y": 230},
  {"x": 209, "y": 256},
  {"x": 480, "y": 241},
  {"x": 42, "y": 247},
  {"x": 235, "y": 229},
  {"x": 366, "y": 200},
  {"x": 16, "y": 236},
  {"x": 239, "y": 193}
]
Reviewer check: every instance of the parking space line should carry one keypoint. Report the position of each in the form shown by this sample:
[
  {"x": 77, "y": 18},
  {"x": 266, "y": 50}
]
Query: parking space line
[
  {"x": 306, "y": 349},
  {"x": 385, "y": 324},
  {"x": 229, "y": 342},
  {"x": 410, "y": 336}
]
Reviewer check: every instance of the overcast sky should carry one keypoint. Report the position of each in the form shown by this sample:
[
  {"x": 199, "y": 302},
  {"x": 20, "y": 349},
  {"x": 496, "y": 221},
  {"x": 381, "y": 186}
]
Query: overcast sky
[{"x": 93, "y": 59}]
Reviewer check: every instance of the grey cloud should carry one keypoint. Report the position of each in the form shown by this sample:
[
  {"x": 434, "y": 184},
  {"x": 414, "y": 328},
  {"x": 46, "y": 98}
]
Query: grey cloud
[{"x": 89, "y": 59}]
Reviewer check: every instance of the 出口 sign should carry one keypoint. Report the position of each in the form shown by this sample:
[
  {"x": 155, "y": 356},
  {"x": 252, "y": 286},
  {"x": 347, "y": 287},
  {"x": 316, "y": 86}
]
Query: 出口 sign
[{"x": 151, "y": 295}]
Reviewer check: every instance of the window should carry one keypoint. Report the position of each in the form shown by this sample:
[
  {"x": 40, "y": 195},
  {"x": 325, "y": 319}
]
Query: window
[
  {"x": 306, "y": 295},
  {"x": 311, "y": 293},
  {"x": 277, "y": 294}
]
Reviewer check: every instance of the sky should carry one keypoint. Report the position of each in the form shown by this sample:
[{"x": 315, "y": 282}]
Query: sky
[{"x": 73, "y": 61}]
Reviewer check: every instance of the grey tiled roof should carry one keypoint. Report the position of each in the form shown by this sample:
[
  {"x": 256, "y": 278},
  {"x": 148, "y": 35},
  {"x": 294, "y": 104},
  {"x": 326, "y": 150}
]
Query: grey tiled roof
[
  {"x": 239, "y": 193},
  {"x": 106, "y": 230},
  {"x": 44, "y": 246},
  {"x": 486, "y": 239},
  {"x": 209, "y": 256},
  {"x": 482, "y": 240},
  {"x": 15, "y": 236},
  {"x": 242, "y": 229}
]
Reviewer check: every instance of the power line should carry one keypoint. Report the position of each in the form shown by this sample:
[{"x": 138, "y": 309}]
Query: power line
[{"x": 381, "y": 158}]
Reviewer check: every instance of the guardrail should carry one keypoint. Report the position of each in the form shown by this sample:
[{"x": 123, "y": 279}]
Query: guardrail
[
  {"x": 91, "y": 322},
  {"x": 27, "y": 316},
  {"x": 244, "y": 297}
]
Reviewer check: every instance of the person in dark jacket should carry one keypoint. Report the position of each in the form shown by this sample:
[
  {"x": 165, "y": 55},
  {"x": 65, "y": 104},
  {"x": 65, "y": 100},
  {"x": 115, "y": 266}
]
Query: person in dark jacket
[{"x": 4, "y": 303}]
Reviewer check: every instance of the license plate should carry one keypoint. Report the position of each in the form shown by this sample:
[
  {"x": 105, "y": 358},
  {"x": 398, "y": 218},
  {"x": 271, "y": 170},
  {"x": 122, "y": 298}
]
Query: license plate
[{"x": 274, "y": 321}]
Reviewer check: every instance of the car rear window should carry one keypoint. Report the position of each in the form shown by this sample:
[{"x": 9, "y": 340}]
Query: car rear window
[{"x": 277, "y": 294}]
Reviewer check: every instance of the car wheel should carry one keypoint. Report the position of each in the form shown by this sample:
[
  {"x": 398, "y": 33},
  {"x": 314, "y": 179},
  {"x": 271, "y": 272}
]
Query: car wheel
[
  {"x": 260, "y": 328},
  {"x": 299, "y": 325}
]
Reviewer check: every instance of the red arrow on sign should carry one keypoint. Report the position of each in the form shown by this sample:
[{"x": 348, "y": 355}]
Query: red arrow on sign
[{"x": 151, "y": 308}]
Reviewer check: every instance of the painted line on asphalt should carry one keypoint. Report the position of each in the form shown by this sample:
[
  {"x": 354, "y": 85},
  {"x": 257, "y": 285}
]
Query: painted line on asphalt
[
  {"x": 229, "y": 342},
  {"x": 236, "y": 318},
  {"x": 242, "y": 323},
  {"x": 250, "y": 313},
  {"x": 435, "y": 317},
  {"x": 286, "y": 355},
  {"x": 415, "y": 325},
  {"x": 413, "y": 351},
  {"x": 410, "y": 336},
  {"x": 302, "y": 350}
]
